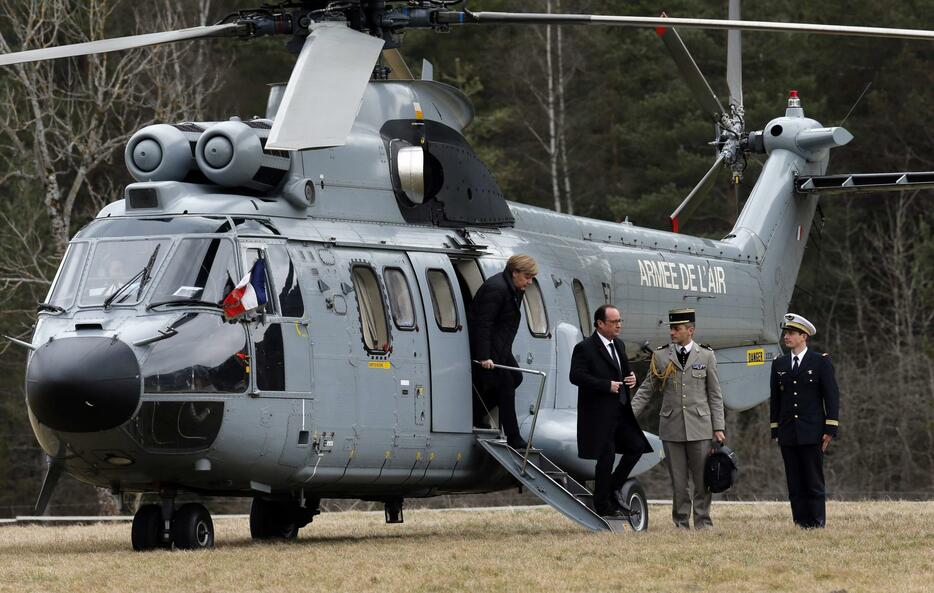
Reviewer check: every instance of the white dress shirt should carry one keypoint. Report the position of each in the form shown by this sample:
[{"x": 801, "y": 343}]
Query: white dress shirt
[{"x": 800, "y": 356}]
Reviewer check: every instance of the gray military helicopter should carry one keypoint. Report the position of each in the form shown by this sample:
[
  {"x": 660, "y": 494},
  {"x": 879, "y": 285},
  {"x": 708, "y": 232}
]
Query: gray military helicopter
[{"x": 375, "y": 223}]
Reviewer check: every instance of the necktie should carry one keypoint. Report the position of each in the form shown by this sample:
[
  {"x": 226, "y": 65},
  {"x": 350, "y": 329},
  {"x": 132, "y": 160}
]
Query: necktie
[
  {"x": 794, "y": 364},
  {"x": 683, "y": 356},
  {"x": 615, "y": 358}
]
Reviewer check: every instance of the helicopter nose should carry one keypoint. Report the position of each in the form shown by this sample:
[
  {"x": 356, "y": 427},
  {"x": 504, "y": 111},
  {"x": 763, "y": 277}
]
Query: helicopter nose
[{"x": 83, "y": 384}]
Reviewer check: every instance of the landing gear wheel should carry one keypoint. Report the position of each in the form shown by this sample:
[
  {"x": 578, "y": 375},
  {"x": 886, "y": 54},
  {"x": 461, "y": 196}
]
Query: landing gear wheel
[
  {"x": 271, "y": 519},
  {"x": 147, "y": 528},
  {"x": 192, "y": 528},
  {"x": 633, "y": 495}
]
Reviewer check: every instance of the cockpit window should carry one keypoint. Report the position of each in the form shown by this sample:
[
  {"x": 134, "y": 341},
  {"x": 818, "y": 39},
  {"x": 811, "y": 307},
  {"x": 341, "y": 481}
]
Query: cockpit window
[
  {"x": 200, "y": 270},
  {"x": 148, "y": 227},
  {"x": 206, "y": 355},
  {"x": 255, "y": 226},
  {"x": 122, "y": 269},
  {"x": 65, "y": 286}
]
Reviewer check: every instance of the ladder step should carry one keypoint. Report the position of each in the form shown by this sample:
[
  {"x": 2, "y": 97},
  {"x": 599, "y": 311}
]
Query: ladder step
[{"x": 554, "y": 485}]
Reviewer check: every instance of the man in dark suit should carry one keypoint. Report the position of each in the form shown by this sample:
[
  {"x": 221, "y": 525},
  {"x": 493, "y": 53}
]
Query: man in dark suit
[
  {"x": 605, "y": 422},
  {"x": 493, "y": 320},
  {"x": 804, "y": 416}
]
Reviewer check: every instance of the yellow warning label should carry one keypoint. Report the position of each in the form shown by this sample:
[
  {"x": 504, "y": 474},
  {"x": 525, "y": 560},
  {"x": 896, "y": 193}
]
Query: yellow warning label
[
  {"x": 379, "y": 364},
  {"x": 755, "y": 357}
]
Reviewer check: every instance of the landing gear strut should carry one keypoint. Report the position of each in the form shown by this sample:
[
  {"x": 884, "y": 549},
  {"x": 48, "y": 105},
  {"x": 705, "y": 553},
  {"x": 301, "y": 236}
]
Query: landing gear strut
[{"x": 393, "y": 510}]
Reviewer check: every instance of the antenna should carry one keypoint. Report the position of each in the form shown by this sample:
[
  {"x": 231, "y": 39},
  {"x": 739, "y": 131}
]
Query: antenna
[{"x": 858, "y": 99}]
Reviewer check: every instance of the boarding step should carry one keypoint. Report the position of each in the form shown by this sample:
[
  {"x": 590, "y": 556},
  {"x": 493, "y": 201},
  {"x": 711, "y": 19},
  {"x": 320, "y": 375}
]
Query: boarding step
[{"x": 552, "y": 484}]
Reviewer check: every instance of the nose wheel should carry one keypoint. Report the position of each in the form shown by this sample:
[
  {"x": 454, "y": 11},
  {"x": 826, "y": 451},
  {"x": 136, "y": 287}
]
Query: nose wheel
[
  {"x": 192, "y": 528},
  {"x": 188, "y": 528}
]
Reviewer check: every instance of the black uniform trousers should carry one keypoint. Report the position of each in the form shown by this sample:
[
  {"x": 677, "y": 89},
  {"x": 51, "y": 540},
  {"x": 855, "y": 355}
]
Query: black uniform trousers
[
  {"x": 607, "y": 480},
  {"x": 804, "y": 470}
]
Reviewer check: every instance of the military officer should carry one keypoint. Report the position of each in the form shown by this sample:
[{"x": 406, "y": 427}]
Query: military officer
[
  {"x": 804, "y": 415},
  {"x": 685, "y": 373}
]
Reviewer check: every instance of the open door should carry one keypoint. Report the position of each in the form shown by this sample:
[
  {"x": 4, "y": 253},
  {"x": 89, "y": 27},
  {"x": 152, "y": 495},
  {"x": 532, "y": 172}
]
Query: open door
[{"x": 448, "y": 343}]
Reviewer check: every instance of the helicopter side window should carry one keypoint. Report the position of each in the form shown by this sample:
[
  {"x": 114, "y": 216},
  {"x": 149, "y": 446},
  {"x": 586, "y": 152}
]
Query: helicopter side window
[
  {"x": 285, "y": 280},
  {"x": 442, "y": 300},
  {"x": 200, "y": 270},
  {"x": 270, "y": 360},
  {"x": 373, "y": 322},
  {"x": 120, "y": 269},
  {"x": 583, "y": 311},
  {"x": 205, "y": 356},
  {"x": 400, "y": 298},
  {"x": 65, "y": 286},
  {"x": 535, "y": 313}
]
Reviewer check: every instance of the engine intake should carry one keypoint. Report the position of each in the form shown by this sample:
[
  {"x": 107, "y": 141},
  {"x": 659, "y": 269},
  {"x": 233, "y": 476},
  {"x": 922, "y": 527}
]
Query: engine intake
[
  {"x": 233, "y": 154},
  {"x": 162, "y": 152}
]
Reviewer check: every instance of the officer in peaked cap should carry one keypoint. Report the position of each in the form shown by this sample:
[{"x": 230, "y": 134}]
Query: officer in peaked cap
[
  {"x": 685, "y": 373},
  {"x": 804, "y": 416}
]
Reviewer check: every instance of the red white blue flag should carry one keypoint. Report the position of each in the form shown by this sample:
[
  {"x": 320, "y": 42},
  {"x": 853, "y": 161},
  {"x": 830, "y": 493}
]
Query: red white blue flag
[{"x": 249, "y": 295}]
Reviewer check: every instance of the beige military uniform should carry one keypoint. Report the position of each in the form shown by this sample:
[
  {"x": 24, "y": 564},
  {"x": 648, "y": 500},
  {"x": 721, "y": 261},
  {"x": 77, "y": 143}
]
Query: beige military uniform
[
  {"x": 692, "y": 409},
  {"x": 692, "y": 406}
]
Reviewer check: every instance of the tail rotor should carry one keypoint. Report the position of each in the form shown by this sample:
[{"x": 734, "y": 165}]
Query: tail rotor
[{"x": 731, "y": 140}]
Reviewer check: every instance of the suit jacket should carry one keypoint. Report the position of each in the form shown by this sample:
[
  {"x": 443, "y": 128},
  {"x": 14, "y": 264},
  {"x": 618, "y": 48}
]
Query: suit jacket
[
  {"x": 692, "y": 406},
  {"x": 493, "y": 320},
  {"x": 603, "y": 416},
  {"x": 805, "y": 404}
]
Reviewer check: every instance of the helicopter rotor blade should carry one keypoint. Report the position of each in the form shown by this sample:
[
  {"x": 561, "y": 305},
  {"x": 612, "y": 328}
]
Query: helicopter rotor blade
[
  {"x": 399, "y": 70},
  {"x": 682, "y": 23},
  {"x": 693, "y": 200},
  {"x": 691, "y": 73},
  {"x": 734, "y": 58},
  {"x": 326, "y": 88},
  {"x": 119, "y": 43}
]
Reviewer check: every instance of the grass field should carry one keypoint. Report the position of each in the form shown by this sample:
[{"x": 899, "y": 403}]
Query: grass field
[{"x": 868, "y": 547}]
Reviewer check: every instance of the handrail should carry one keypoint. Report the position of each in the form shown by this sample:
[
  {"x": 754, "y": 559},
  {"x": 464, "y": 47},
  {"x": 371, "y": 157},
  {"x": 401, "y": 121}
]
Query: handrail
[{"x": 538, "y": 403}]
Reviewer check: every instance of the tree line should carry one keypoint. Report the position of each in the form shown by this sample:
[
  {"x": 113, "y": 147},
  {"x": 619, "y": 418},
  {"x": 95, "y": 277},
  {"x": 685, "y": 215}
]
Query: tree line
[{"x": 592, "y": 121}]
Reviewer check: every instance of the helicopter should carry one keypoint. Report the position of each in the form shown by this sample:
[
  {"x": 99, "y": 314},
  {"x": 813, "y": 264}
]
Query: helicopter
[{"x": 364, "y": 223}]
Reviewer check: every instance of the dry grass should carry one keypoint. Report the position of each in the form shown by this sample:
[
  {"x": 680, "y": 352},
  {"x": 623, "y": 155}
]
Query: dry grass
[{"x": 869, "y": 547}]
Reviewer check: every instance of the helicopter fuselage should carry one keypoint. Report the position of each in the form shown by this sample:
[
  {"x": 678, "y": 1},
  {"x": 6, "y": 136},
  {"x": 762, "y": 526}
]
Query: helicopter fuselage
[{"x": 355, "y": 381}]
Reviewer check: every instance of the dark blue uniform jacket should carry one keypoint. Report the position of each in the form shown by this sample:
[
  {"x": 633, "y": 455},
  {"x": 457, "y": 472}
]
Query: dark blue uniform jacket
[{"x": 805, "y": 405}]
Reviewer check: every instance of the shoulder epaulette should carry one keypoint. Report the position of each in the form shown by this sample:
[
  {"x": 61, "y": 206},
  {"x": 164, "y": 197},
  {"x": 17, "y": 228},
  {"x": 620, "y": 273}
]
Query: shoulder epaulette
[
  {"x": 707, "y": 346},
  {"x": 662, "y": 347}
]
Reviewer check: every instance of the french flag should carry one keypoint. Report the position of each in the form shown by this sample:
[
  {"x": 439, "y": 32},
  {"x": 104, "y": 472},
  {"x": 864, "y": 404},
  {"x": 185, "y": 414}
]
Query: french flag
[{"x": 249, "y": 295}]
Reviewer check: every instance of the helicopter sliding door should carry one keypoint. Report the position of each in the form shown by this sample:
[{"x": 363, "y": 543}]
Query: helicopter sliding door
[{"x": 448, "y": 345}]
